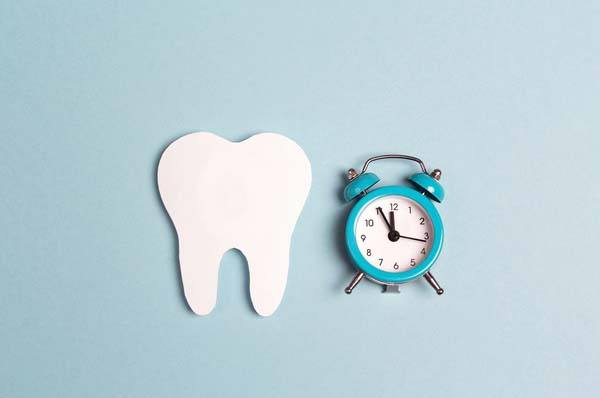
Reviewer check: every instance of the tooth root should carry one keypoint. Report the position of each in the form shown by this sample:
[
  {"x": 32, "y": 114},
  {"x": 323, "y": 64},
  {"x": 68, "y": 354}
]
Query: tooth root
[
  {"x": 268, "y": 268},
  {"x": 199, "y": 274}
]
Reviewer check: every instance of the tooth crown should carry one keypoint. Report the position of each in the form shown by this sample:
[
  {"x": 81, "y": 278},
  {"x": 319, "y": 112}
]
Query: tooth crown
[{"x": 222, "y": 195}]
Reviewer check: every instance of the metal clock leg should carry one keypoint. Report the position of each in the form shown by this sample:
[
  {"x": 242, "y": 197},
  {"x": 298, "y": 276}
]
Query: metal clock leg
[
  {"x": 357, "y": 278},
  {"x": 434, "y": 284}
]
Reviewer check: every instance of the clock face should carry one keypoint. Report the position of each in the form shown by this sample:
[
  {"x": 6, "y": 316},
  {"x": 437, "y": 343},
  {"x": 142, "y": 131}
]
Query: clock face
[{"x": 394, "y": 233}]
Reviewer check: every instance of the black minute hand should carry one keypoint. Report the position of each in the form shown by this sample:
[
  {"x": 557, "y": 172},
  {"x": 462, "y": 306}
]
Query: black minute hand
[
  {"x": 385, "y": 219},
  {"x": 393, "y": 235}
]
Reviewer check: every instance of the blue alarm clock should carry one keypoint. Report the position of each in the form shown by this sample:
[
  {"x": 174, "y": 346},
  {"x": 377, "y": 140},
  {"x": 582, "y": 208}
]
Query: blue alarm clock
[{"x": 394, "y": 234}]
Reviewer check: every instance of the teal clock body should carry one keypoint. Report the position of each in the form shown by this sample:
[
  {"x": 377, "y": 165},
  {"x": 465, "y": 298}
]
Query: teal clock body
[
  {"x": 373, "y": 271},
  {"x": 394, "y": 234}
]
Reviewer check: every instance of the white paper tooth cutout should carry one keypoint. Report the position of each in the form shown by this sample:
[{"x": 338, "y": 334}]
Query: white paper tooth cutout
[{"x": 246, "y": 195}]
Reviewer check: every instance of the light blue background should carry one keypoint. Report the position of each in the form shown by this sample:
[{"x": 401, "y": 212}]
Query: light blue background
[{"x": 503, "y": 96}]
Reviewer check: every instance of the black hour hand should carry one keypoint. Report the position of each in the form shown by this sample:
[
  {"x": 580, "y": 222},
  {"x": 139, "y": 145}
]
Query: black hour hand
[
  {"x": 393, "y": 235},
  {"x": 380, "y": 211}
]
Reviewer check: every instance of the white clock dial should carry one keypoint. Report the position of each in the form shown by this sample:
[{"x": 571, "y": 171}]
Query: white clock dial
[{"x": 394, "y": 233}]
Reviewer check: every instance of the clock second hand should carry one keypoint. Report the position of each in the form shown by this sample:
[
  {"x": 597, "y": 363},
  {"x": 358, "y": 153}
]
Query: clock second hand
[
  {"x": 394, "y": 235},
  {"x": 408, "y": 237}
]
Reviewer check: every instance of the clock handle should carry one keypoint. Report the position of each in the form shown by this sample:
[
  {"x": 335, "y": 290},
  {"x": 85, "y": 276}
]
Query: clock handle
[{"x": 391, "y": 156}]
